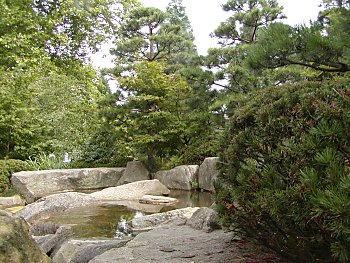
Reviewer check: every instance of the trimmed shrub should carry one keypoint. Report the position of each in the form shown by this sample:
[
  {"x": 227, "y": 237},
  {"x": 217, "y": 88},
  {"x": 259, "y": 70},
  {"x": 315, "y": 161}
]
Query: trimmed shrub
[
  {"x": 7, "y": 167},
  {"x": 285, "y": 173}
]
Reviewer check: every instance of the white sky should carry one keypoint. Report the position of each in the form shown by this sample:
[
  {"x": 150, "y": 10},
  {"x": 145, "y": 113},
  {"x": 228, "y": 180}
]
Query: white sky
[{"x": 206, "y": 15}]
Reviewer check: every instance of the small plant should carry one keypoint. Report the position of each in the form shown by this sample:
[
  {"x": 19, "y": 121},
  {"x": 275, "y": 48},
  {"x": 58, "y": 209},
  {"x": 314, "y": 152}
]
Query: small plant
[
  {"x": 43, "y": 161},
  {"x": 194, "y": 185}
]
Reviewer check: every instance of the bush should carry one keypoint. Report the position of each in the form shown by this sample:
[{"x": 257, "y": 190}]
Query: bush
[
  {"x": 42, "y": 161},
  {"x": 7, "y": 167},
  {"x": 285, "y": 173},
  {"x": 104, "y": 148}
]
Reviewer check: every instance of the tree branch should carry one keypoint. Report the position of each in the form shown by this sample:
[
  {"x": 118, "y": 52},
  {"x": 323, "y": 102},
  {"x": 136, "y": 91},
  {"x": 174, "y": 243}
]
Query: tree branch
[
  {"x": 220, "y": 85},
  {"x": 339, "y": 67}
]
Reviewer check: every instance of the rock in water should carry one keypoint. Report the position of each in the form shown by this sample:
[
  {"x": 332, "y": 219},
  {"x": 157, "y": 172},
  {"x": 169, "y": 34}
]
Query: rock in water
[
  {"x": 207, "y": 173},
  {"x": 33, "y": 185},
  {"x": 132, "y": 191},
  {"x": 54, "y": 204},
  {"x": 16, "y": 245},
  {"x": 158, "y": 200},
  {"x": 151, "y": 221},
  {"x": 184, "y": 177}
]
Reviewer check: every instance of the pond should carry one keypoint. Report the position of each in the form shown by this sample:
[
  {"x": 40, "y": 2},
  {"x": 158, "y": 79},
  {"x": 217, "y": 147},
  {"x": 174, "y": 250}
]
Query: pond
[{"x": 109, "y": 219}]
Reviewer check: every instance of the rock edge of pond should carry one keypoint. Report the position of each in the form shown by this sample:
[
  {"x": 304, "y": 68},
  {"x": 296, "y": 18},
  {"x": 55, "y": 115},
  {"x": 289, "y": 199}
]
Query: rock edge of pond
[{"x": 182, "y": 235}]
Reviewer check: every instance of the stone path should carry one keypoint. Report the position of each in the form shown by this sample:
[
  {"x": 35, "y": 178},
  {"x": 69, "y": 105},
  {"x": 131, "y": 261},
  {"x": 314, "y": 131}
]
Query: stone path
[{"x": 179, "y": 243}]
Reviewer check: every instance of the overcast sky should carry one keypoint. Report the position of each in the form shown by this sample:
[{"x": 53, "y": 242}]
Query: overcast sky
[{"x": 206, "y": 15}]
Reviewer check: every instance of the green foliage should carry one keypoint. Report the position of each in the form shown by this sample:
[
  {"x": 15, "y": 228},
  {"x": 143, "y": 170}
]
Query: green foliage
[
  {"x": 149, "y": 110},
  {"x": 149, "y": 34},
  {"x": 48, "y": 95},
  {"x": 43, "y": 161},
  {"x": 66, "y": 108},
  {"x": 235, "y": 35},
  {"x": 7, "y": 167},
  {"x": 21, "y": 43},
  {"x": 107, "y": 147},
  {"x": 63, "y": 31},
  {"x": 323, "y": 46},
  {"x": 45, "y": 111},
  {"x": 285, "y": 175},
  {"x": 18, "y": 130},
  {"x": 156, "y": 50},
  {"x": 178, "y": 15}
]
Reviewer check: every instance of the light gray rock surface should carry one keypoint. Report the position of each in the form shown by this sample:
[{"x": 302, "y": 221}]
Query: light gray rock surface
[
  {"x": 33, "y": 185},
  {"x": 205, "y": 219},
  {"x": 173, "y": 243},
  {"x": 53, "y": 241},
  {"x": 207, "y": 173},
  {"x": 151, "y": 221},
  {"x": 10, "y": 201},
  {"x": 158, "y": 200},
  {"x": 135, "y": 171},
  {"x": 56, "y": 203},
  {"x": 132, "y": 191},
  {"x": 82, "y": 251},
  {"x": 16, "y": 245},
  {"x": 184, "y": 177}
]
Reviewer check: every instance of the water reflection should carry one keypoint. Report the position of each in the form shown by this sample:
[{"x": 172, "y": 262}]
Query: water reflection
[
  {"x": 192, "y": 198},
  {"x": 110, "y": 220}
]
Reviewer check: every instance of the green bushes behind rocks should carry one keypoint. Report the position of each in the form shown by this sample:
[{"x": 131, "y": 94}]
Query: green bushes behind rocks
[
  {"x": 285, "y": 175},
  {"x": 7, "y": 167}
]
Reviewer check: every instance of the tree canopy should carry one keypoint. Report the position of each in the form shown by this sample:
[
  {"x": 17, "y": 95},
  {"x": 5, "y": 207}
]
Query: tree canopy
[
  {"x": 235, "y": 35},
  {"x": 48, "y": 92},
  {"x": 323, "y": 46}
]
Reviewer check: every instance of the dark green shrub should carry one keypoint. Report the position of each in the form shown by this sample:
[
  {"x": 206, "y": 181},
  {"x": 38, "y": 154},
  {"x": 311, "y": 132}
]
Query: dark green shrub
[
  {"x": 285, "y": 174},
  {"x": 104, "y": 148},
  {"x": 7, "y": 167}
]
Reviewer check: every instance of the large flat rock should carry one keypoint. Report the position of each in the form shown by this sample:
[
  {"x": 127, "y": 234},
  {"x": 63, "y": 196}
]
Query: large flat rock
[
  {"x": 56, "y": 203},
  {"x": 33, "y": 185},
  {"x": 158, "y": 200},
  {"x": 172, "y": 244},
  {"x": 178, "y": 243},
  {"x": 132, "y": 191}
]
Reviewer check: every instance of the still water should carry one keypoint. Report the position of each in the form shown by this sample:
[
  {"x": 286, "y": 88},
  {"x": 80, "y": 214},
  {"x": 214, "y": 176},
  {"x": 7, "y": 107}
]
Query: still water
[{"x": 109, "y": 220}]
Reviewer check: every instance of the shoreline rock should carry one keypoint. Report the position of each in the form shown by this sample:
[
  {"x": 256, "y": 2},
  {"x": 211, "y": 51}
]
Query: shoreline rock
[
  {"x": 184, "y": 177},
  {"x": 151, "y": 221},
  {"x": 56, "y": 203},
  {"x": 16, "y": 245},
  {"x": 33, "y": 185},
  {"x": 132, "y": 191},
  {"x": 158, "y": 200},
  {"x": 11, "y": 201},
  {"x": 207, "y": 173},
  {"x": 134, "y": 171}
]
